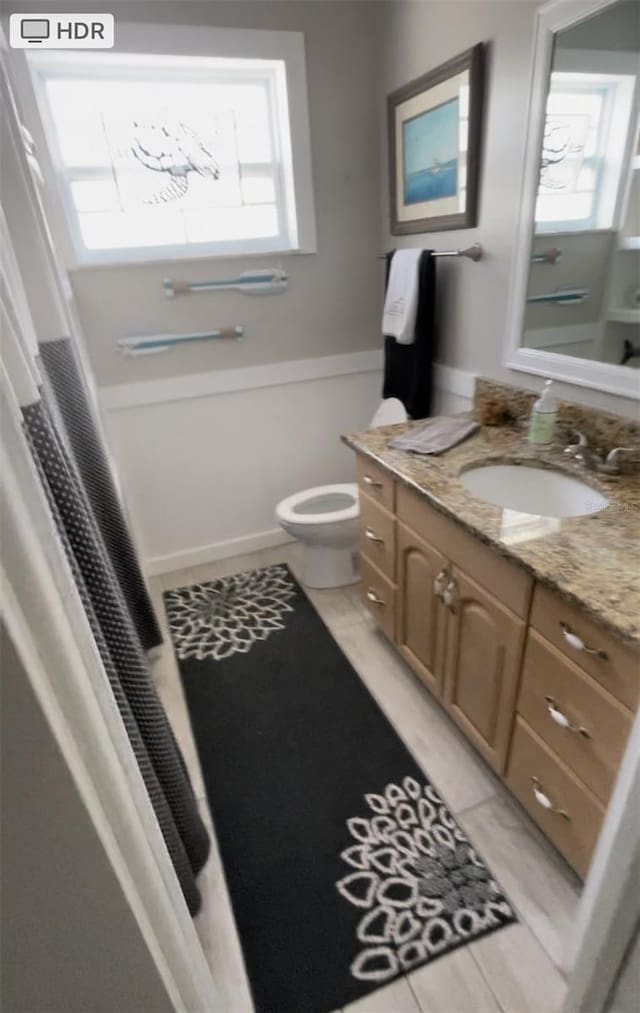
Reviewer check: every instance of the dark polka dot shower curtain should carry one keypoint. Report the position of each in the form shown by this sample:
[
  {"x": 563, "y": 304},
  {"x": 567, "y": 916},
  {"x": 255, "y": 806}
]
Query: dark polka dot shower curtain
[{"x": 74, "y": 470}]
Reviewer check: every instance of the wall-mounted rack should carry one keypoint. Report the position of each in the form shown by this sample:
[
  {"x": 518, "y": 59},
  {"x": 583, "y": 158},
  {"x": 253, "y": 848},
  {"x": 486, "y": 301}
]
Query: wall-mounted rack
[
  {"x": 267, "y": 282},
  {"x": 146, "y": 344},
  {"x": 474, "y": 252},
  {"x": 551, "y": 256},
  {"x": 562, "y": 296}
]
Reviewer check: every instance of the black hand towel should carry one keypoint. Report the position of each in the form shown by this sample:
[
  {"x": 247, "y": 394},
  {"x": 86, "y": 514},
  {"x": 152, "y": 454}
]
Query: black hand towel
[{"x": 408, "y": 369}]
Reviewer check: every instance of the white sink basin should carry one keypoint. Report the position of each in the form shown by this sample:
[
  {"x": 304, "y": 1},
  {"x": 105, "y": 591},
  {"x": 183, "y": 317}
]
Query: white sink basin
[{"x": 533, "y": 490}]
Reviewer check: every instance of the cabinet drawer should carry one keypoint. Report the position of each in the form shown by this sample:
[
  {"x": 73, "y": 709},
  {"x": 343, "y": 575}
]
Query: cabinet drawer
[
  {"x": 574, "y": 819},
  {"x": 376, "y": 482},
  {"x": 599, "y": 725},
  {"x": 614, "y": 665},
  {"x": 379, "y": 596},
  {"x": 378, "y": 536},
  {"x": 491, "y": 570}
]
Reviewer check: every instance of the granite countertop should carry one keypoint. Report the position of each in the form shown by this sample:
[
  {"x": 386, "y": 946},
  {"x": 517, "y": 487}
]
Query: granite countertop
[{"x": 593, "y": 561}]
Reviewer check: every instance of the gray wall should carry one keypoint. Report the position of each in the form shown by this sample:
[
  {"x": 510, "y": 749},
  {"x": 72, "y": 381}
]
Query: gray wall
[
  {"x": 473, "y": 298},
  {"x": 69, "y": 941},
  {"x": 616, "y": 27},
  {"x": 584, "y": 264},
  {"x": 333, "y": 303},
  {"x": 625, "y": 994}
]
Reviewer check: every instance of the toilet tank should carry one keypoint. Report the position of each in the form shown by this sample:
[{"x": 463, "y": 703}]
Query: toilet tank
[{"x": 390, "y": 411}]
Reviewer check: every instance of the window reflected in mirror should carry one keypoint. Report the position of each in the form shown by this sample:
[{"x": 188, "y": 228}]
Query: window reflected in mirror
[{"x": 583, "y": 296}]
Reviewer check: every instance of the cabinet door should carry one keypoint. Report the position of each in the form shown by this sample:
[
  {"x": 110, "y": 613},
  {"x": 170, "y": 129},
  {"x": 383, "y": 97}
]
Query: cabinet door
[
  {"x": 484, "y": 649},
  {"x": 421, "y": 614}
]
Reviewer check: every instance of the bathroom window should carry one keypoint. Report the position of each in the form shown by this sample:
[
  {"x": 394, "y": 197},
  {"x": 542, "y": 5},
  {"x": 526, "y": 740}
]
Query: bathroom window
[
  {"x": 161, "y": 157},
  {"x": 585, "y": 138}
]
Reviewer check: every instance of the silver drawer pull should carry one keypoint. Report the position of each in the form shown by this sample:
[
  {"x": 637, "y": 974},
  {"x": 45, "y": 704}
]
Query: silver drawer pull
[
  {"x": 372, "y": 536},
  {"x": 439, "y": 583},
  {"x": 372, "y": 596},
  {"x": 372, "y": 482},
  {"x": 573, "y": 640},
  {"x": 543, "y": 800},
  {"x": 561, "y": 719}
]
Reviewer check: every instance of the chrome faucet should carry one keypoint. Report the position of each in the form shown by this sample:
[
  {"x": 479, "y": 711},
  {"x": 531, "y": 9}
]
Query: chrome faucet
[{"x": 591, "y": 459}]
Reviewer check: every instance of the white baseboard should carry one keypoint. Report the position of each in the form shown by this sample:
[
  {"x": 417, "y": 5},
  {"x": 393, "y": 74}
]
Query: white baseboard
[{"x": 215, "y": 551}]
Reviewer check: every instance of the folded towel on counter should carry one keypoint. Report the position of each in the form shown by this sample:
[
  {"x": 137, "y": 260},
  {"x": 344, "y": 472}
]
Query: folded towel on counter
[
  {"x": 401, "y": 299},
  {"x": 435, "y": 436}
]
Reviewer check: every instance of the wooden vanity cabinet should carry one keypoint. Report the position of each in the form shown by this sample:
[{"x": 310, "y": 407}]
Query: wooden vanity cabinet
[
  {"x": 461, "y": 622},
  {"x": 585, "y": 726},
  {"x": 421, "y": 622},
  {"x": 597, "y": 651},
  {"x": 564, "y": 808},
  {"x": 482, "y": 667},
  {"x": 467, "y": 653},
  {"x": 545, "y": 694}
]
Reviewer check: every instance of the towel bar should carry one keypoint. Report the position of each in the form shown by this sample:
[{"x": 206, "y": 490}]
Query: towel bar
[
  {"x": 551, "y": 256},
  {"x": 562, "y": 297},
  {"x": 474, "y": 252},
  {"x": 267, "y": 282},
  {"x": 143, "y": 344}
]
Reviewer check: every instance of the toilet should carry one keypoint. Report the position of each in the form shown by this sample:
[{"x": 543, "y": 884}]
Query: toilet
[{"x": 325, "y": 520}]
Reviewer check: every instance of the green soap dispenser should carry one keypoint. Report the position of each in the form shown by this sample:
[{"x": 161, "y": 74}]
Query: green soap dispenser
[{"x": 542, "y": 422}]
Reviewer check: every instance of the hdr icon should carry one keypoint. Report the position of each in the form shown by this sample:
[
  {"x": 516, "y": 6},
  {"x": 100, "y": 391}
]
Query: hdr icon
[
  {"x": 80, "y": 30},
  {"x": 61, "y": 31}
]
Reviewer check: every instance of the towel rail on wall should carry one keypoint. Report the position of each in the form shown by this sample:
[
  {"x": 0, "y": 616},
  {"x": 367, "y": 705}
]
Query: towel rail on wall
[
  {"x": 474, "y": 252},
  {"x": 144, "y": 344},
  {"x": 551, "y": 256},
  {"x": 561, "y": 297},
  {"x": 267, "y": 282}
]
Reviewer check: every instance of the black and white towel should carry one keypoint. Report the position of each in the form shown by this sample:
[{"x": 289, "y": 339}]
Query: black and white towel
[{"x": 408, "y": 368}]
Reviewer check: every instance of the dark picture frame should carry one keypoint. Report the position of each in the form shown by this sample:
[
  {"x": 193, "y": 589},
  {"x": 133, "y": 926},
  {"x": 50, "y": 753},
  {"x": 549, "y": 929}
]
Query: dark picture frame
[{"x": 433, "y": 179}]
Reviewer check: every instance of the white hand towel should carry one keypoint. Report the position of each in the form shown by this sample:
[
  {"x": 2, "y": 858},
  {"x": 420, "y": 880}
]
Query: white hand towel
[{"x": 401, "y": 300}]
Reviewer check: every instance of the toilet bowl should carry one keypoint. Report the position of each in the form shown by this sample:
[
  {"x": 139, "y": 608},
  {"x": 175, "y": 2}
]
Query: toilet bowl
[{"x": 325, "y": 520}]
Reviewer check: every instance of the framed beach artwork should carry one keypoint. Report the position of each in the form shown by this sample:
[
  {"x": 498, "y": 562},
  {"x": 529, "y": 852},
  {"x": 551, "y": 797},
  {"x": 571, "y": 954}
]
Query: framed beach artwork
[{"x": 434, "y": 147}]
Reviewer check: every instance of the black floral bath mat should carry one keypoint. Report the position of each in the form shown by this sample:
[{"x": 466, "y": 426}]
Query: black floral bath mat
[{"x": 344, "y": 865}]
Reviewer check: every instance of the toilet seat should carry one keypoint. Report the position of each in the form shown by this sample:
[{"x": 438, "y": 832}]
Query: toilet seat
[
  {"x": 325, "y": 521},
  {"x": 299, "y": 508}
]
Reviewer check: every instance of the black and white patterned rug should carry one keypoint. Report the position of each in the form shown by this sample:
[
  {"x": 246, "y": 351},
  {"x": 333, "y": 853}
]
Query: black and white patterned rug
[{"x": 344, "y": 865}]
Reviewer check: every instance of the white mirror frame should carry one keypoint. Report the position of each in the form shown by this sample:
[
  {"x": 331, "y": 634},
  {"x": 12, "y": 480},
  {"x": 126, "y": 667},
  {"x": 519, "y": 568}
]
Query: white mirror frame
[{"x": 551, "y": 18}]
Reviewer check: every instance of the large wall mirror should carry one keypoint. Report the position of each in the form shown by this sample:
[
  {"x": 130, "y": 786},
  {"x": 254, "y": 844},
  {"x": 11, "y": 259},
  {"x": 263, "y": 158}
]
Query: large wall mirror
[{"x": 576, "y": 313}]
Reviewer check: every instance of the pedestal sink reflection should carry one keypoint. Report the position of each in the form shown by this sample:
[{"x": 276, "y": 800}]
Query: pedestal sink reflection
[{"x": 533, "y": 490}]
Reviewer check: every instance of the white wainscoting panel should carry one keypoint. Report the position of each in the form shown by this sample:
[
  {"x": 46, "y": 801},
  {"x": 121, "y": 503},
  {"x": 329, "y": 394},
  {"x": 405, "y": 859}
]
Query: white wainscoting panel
[
  {"x": 204, "y": 460},
  {"x": 202, "y": 475},
  {"x": 227, "y": 381}
]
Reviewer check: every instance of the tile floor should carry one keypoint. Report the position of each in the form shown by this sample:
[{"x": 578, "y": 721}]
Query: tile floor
[{"x": 516, "y": 970}]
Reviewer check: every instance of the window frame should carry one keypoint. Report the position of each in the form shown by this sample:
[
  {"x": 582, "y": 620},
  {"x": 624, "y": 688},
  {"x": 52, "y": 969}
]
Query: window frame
[
  {"x": 192, "y": 48},
  {"x": 617, "y": 84},
  {"x": 595, "y": 162}
]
